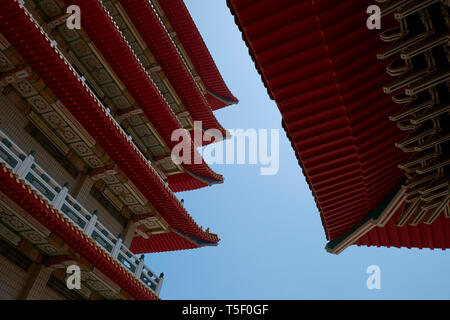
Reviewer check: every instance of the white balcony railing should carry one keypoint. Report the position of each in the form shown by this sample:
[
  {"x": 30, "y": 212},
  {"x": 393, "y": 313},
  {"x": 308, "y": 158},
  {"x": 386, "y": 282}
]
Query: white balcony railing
[{"x": 28, "y": 170}]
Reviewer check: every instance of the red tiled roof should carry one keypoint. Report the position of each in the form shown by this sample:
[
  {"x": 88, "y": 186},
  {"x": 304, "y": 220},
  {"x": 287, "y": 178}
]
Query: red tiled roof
[
  {"x": 161, "y": 242},
  {"x": 163, "y": 49},
  {"x": 19, "y": 29},
  {"x": 423, "y": 235},
  {"x": 182, "y": 182},
  {"x": 380, "y": 228},
  {"x": 57, "y": 223},
  {"x": 108, "y": 39},
  {"x": 318, "y": 61},
  {"x": 186, "y": 30}
]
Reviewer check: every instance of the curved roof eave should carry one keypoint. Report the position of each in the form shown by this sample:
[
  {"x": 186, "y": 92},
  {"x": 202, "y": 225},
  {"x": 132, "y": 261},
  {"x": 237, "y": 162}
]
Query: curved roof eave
[{"x": 198, "y": 52}]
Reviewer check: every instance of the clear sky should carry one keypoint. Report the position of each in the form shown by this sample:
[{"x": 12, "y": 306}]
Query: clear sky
[{"x": 272, "y": 240}]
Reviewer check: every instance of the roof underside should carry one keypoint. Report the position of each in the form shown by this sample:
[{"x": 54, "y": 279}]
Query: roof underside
[{"x": 318, "y": 61}]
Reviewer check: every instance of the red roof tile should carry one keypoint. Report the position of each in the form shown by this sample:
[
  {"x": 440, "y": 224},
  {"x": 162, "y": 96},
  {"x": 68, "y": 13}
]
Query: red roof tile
[
  {"x": 433, "y": 236},
  {"x": 186, "y": 30}
]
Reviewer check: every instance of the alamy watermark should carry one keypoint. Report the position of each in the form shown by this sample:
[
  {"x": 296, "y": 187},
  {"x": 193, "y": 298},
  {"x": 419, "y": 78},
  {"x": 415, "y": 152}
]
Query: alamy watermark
[
  {"x": 374, "y": 20},
  {"x": 74, "y": 19},
  {"x": 374, "y": 280},
  {"x": 73, "y": 280},
  {"x": 232, "y": 150}
]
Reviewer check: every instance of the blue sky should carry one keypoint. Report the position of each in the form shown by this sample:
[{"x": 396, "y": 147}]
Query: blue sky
[{"x": 272, "y": 240}]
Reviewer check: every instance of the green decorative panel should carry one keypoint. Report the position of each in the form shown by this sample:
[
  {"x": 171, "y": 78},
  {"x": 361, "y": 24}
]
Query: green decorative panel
[
  {"x": 97, "y": 237},
  {"x": 73, "y": 216},
  {"x": 40, "y": 186},
  {"x": 7, "y": 142},
  {"x": 9, "y": 160}
]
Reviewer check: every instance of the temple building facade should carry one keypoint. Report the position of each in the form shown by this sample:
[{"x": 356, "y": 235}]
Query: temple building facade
[
  {"x": 86, "y": 117},
  {"x": 366, "y": 110}
]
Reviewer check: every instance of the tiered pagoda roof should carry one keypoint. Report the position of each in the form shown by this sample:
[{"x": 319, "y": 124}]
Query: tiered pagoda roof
[
  {"x": 48, "y": 62},
  {"x": 105, "y": 122},
  {"x": 322, "y": 65},
  {"x": 114, "y": 92}
]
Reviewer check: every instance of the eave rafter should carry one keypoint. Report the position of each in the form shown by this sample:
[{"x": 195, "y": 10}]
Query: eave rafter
[
  {"x": 419, "y": 54},
  {"x": 418, "y": 48}
]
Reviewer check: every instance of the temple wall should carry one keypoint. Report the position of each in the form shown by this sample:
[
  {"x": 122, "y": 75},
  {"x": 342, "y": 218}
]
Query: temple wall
[
  {"x": 12, "y": 123},
  {"x": 12, "y": 279},
  {"x": 50, "y": 294},
  {"x": 37, "y": 289}
]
